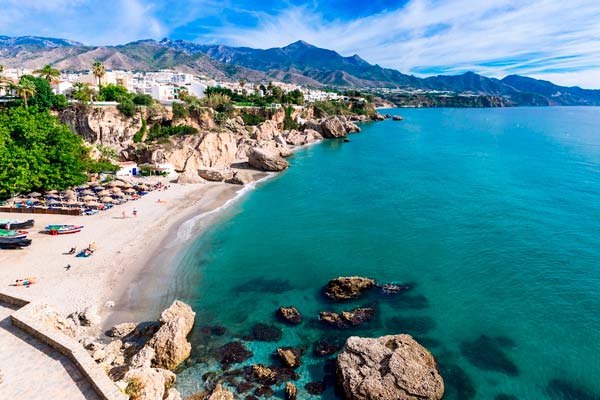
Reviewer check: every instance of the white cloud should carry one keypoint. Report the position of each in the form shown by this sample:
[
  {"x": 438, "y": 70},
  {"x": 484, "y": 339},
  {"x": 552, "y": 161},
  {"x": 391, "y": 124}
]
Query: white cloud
[{"x": 540, "y": 38}]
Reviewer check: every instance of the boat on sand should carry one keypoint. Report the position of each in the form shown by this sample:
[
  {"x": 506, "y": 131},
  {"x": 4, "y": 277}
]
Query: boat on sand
[
  {"x": 63, "y": 229},
  {"x": 8, "y": 225},
  {"x": 10, "y": 239}
]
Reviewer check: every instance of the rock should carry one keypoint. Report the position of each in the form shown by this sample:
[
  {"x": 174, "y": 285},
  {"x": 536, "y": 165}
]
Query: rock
[
  {"x": 266, "y": 333},
  {"x": 215, "y": 175},
  {"x": 322, "y": 348},
  {"x": 346, "y": 140},
  {"x": 108, "y": 353},
  {"x": 89, "y": 343},
  {"x": 109, "y": 304},
  {"x": 346, "y": 288},
  {"x": 143, "y": 358},
  {"x": 315, "y": 388},
  {"x": 122, "y": 330},
  {"x": 262, "y": 374},
  {"x": 290, "y": 391},
  {"x": 347, "y": 319},
  {"x": 264, "y": 391},
  {"x": 332, "y": 127},
  {"x": 388, "y": 368},
  {"x": 397, "y": 118},
  {"x": 289, "y": 315},
  {"x": 170, "y": 341},
  {"x": 393, "y": 288},
  {"x": 233, "y": 353},
  {"x": 266, "y": 160},
  {"x": 173, "y": 394},
  {"x": 216, "y": 330},
  {"x": 290, "y": 356},
  {"x": 87, "y": 317},
  {"x": 148, "y": 383},
  {"x": 189, "y": 177},
  {"x": 240, "y": 178},
  {"x": 220, "y": 393},
  {"x": 377, "y": 117},
  {"x": 266, "y": 130}
]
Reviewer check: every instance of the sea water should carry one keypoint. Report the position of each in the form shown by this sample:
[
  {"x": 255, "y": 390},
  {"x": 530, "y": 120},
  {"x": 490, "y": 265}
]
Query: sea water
[{"x": 491, "y": 215}]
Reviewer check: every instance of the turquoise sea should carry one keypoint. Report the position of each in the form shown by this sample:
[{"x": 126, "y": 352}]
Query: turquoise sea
[{"x": 493, "y": 215}]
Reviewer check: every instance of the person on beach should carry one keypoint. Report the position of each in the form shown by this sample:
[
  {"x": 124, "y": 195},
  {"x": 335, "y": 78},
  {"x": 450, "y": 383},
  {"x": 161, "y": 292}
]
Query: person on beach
[
  {"x": 25, "y": 282},
  {"x": 135, "y": 212},
  {"x": 124, "y": 216},
  {"x": 92, "y": 247}
]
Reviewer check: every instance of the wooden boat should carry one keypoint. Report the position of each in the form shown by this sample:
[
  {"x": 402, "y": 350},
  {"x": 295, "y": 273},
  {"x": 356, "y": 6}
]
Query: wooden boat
[
  {"x": 8, "y": 225},
  {"x": 63, "y": 229},
  {"x": 13, "y": 239}
]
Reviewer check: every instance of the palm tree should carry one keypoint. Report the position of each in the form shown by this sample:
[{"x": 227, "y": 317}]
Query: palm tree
[
  {"x": 242, "y": 83},
  {"x": 25, "y": 89},
  {"x": 99, "y": 71},
  {"x": 48, "y": 73},
  {"x": 82, "y": 92}
]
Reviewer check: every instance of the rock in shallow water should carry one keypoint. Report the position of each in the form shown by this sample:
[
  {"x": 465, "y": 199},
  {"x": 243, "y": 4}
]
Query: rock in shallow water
[
  {"x": 170, "y": 341},
  {"x": 315, "y": 388},
  {"x": 487, "y": 353},
  {"x": 266, "y": 333},
  {"x": 289, "y": 315},
  {"x": 346, "y": 288},
  {"x": 388, "y": 368},
  {"x": 290, "y": 356},
  {"x": 233, "y": 353},
  {"x": 347, "y": 319}
]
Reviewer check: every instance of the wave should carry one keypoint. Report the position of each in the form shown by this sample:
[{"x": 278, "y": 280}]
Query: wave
[{"x": 186, "y": 229}]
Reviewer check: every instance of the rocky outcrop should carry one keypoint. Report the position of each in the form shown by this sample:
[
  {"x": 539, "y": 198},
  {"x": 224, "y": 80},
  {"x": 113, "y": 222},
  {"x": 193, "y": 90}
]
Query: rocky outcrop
[
  {"x": 347, "y": 319},
  {"x": 397, "y": 118},
  {"x": 170, "y": 341},
  {"x": 189, "y": 177},
  {"x": 346, "y": 288},
  {"x": 297, "y": 138},
  {"x": 290, "y": 356},
  {"x": 333, "y": 128},
  {"x": 148, "y": 383},
  {"x": 240, "y": 178},
  {"x": 86, "y": 317},
  {"x": 50, "y": 317},
  {"x": 215, "y": 174},
  {"x": 291, "y": 392},
  {"x": 266, "y": 160},
  {"x": 388, "y": 368},
  {"x": 289, "y": 315},
  {"x": 220, "y": 393},
  {"x": 120, "y": 330},
  {"x": 266, "y": 131}
]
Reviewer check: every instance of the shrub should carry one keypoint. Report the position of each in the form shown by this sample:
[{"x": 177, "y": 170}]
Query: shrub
[
  {"x": 289, "y": 123},
  {"x": 113, "y": 92},
  {"x": 180, "y": 111},
  {"x": 139, "y": 135},
  {"x": 251, "y": 119},
  {"x": 159, "y": 132},
  {"x": 143, "y": 100},
  {"x": 127, "y": 108}
]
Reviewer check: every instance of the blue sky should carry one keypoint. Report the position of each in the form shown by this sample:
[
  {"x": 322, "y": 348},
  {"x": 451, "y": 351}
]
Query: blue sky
[{"x": 558, "y": 40}]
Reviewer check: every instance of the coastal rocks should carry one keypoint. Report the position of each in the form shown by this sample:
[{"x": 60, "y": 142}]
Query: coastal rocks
[
  {"x": 348, "y": 319},
  {"x": 333, "y": 127},
  {"x": 169, "y": 342},
  {"x": 289, "y": 315},
  {"x": 266, "y": 130},
  {"x": 220, "y": 393},
  {"x": 240, "y": 178},
  {"x": 216, "y": 150},
  {"x": 290, "y": 356},
  {"x": 315, "y": 388},
  {"x": 50, "y": 317},
  {"x": 148, "y": 383},
  {"x": 189, "y": 177},
  {"x": 296, "y": 138},
  {"x": 143, "y": 358},
  {"x": 397, "y": 118},
  {"x": 325, "y": 348},
  {"x": 121, "y": 330},
  {"x": 109, "y": 353},
  {"x": 291, "y": 392},
  {"x": 266, "y": 160},
  {"x": 266, "y": 333},
  {"x": 233, "y": 353},
  {"x": 215, "y": 175},
  {"x": 262, "y": 374},
  {"x": 87, "y": 317},
  {"x": 388, "y": 368},
  {"x": 346, "y": 288}
]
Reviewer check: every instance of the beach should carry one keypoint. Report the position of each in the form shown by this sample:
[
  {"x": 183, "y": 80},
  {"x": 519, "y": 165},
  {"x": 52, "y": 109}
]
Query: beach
[{"x": 127, "y": 250}]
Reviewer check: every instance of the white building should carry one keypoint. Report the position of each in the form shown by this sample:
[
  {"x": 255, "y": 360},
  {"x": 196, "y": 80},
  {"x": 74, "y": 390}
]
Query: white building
[
  {"x": 127, "y": 168},
  {"x": 61, "y": 87},
  {"x": 163, "y": 92}
]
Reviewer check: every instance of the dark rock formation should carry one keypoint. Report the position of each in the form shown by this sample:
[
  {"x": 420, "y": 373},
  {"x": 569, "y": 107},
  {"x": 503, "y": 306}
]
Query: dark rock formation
[
  {"x": 347, "y": 319},
  {"x": 289, "y": 315},
  {"x": 290, "y": 391},
  {"x": 233, "y": 353},
  {"x": 315, "y": 388},
  {"x": 397, "y": 118},
  {"x": 487, "y": 353},
  {"x": 266, "y": 333},
  {"x": 324, "y": 348},
  {"x": 346, "y": 288},
  {"x": 290, "y": 357}
]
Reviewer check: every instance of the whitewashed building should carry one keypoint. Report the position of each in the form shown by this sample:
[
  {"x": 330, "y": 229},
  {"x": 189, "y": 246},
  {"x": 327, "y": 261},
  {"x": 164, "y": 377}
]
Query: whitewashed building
[{"x": 127, "y": 168}]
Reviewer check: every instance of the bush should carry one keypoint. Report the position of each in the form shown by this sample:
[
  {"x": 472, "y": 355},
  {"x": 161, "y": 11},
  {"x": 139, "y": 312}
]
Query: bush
[
  {"x": 158, "y": 131},
  {"x": 127, "y": 108},
  {"x": 143, "y": 100},
  {"x": 60, "y": 102},
  {"x": 180, "y": 111},
  {"x": 113, "y": 92},
  {"x": 289, "y": 123},
  {"x": 251, "y": 119},
  {"x": 139, "y": 135}
]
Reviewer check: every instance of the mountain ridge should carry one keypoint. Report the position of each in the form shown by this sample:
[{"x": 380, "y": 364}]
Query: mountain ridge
[{"x": 299, "y": 62}]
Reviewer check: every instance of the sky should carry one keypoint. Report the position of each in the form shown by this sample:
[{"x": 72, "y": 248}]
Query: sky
[{"x": 556, "y": 40}]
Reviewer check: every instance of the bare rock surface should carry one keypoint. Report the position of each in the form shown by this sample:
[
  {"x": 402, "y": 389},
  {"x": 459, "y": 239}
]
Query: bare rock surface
[
  {"x": 190, "y": 177},
  {"x": 121, "y": 330},
  {"x": 215, "y": 174},
  {"x": 289, "y": 315},
  {"x": 148, "y": 383},
  {"x": 348, "y": 319},
  {"x": 266, "y": 160},
  {"x": 346, "y": 288},
  {"x": 393, "y": 367},
  {"x": 220, "y": 393}
]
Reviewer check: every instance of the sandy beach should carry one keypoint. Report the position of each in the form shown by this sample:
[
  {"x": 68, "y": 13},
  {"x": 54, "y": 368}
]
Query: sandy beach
[{"x": 128, "y": 250}]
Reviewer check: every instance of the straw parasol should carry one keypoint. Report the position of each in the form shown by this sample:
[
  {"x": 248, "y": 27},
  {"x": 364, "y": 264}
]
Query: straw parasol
[
  {"x": 92, "y": 203},
  {"x": 88, "y": 192},
  {"x": 88, "y": 198},
  {"x": 68, "y": 193},
  {"x": 129, "y": 190},
  {"x": 125, "y": 185},
  {"x": 82, "y": 187},
  {"x": 104, "y": 193},
  {"x": 52, "y": 202},
  {"x": 34, "y": 194},
  {"x": 52, "y": 192},
  {"x": 115, "y": 190},
  {"x": 97, "y": 188},
  {"x": 114, "y": 184},
  {"x": 106, "y": 199},
  {"x": 71, "y": 202},
  {"x": 142, "y": 187}
]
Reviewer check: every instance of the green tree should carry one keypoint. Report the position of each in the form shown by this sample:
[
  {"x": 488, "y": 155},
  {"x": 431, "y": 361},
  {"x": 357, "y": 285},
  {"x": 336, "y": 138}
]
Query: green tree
[
  {"x": 82, "y": 92},
  {"x": 143, "y": 100},
  {"x": 99, "y": 71},
  {"x": 126, "y": 107},
  {"x": 37, "y": 152},
  {"x": 25, "y": 89},
  {"x": 180, "y": 111},
  {"x": 48, "y": 73},
  {"x": 112, "y": 92}
]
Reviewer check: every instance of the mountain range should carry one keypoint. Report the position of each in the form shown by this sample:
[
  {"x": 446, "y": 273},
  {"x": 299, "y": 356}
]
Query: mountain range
[{"x": 299, "y": 63}]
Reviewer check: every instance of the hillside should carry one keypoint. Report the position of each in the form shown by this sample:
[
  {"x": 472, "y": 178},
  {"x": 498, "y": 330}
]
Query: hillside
[{"x": 299, "y": 63}]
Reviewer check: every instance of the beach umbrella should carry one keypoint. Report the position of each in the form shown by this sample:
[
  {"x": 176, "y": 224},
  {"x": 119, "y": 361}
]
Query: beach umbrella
[
  {"x": 115, "y": 190},
  {"x": 114, "y": 184},
  {"x": 104, "y": 193},
  {"x": 34, "y": 194},
  {"x": 68, "y": 192},
  {"x": 88, "y": 198},
  {"x": 82, "y": 187},
  {"x": 141, "y": 186},
  {"x": 98, "y": 188},
  {"x": 92, "y": 203},
  {"x": 106, "y": 199},
  {"x": 72, "y": 202},
  {"x": 88, "y": 192},
  {"x": 130, "y": 190},
  {"x": 51, "y": 192},
  {"x": 125, "y": 185}
]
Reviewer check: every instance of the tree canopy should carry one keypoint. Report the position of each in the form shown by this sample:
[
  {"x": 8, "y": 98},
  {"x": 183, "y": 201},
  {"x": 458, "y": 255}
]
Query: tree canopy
[{"x": 37, "y": 152}]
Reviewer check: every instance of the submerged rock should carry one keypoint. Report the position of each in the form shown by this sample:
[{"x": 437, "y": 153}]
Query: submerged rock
[
  {"x": 290, "y": 356},
  {"x": 220, "y": 393},
  {"x": 487, "y": 353},
  {"x": 233, "y": 353},
  {"x": 347, "y": 319},
  {"x": 315, "y": 388},
  {"x": 289, "y": 315},
  {"x": 323, "y": 348},
  {"x": 388, "y": 368},
  {"x": 266, "y": 333},
  {"x": 346, "y": 288},
  {"x": 290, "y": 391}
]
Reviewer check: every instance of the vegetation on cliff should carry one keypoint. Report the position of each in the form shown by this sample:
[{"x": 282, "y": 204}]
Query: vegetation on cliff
[{"x": 37, "y": 152}]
